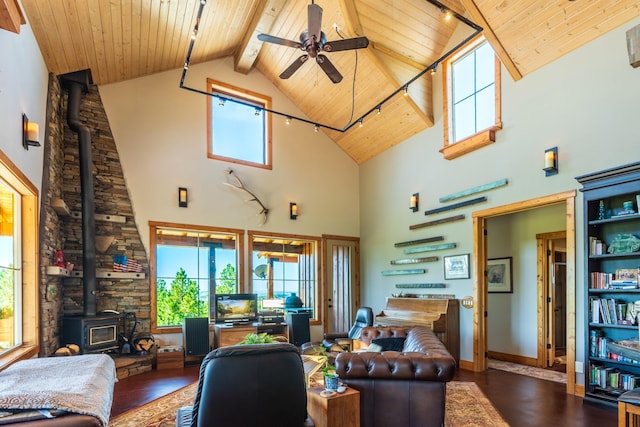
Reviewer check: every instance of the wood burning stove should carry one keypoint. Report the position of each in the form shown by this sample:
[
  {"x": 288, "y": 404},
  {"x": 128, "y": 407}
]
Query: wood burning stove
[{"x": 93, "y": 334}]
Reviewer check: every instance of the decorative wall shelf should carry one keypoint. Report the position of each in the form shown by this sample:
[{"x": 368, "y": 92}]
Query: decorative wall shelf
[
  {"x": 402, "y": 272},
  {"x": 419, "y": 241},
  {"x": 474, "y": 190},
  {"x": 62, "y": 209},
  {"x": 53, "y": 270},
  {"x": 437, "y": 222},
  {"x": 414, "y": 260},
  {"x": 457, "y": 205},
  {"x": 420, "y": 285},
  {"x": 429, "y": 248}
]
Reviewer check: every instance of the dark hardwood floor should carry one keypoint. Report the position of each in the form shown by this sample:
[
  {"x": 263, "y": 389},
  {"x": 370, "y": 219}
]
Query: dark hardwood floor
[{"x": 522, "y": 401}]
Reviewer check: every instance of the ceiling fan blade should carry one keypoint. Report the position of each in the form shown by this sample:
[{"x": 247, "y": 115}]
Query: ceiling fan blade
[
  {"x": 314, "y": 14},
  {"x": 294, "y": 67},
  {"x": 346, "y": 44},
  {"x": 328, "y": 68},
  {"x": 277, "y": 40}
]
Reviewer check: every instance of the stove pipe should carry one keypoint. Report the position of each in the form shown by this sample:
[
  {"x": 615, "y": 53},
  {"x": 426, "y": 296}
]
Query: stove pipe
[{"x": 76, "y": 83}]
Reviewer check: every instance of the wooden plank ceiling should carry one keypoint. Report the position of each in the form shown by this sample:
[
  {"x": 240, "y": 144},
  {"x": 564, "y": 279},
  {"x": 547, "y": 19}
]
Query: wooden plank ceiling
[{"x": 125, "y": 39}]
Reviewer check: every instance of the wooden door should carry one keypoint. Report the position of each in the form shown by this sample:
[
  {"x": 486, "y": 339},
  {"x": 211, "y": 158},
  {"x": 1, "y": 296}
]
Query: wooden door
[{"x": 342, "y": 288}]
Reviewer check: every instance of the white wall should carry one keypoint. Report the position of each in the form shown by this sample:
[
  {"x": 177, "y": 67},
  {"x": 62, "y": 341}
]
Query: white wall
[
  {"x": 23, "y": 89},
  {"x": 161, "y": 134},
  {"x": 585, "y": 103},
  {"x": 512, "y": 325}
]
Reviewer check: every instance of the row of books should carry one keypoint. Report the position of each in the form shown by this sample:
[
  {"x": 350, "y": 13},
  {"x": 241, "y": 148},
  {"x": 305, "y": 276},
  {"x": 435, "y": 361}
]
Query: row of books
[
  {"x": 606, "y": 377},
  {"x": 622, "y": 279},
  {"x": 596, "y": 246},
  {"x": 611, "y": 312},
  {"x": 605, "y": 348}
]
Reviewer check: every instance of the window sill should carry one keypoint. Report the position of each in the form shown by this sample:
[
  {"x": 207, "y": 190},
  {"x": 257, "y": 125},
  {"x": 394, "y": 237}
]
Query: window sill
[
  {"x": 21, "y": 353},
  {"x": 470, "y": 144}
]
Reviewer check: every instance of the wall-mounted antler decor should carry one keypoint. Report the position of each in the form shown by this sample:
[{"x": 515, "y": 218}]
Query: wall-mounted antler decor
[{"x": 240, "y": 186}]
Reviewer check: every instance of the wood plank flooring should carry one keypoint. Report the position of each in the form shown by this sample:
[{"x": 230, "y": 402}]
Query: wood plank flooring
[{"x": 522, "y": 401}]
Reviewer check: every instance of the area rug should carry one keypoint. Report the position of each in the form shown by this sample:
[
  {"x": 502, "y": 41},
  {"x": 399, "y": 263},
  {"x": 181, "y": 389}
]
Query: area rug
[
  {"x": 530, "y": 371},
  {"x": 466, "y": 407}
]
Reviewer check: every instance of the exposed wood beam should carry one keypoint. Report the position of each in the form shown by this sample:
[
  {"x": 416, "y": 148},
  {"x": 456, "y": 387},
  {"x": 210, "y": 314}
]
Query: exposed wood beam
[
  {"x": 11, "y": 16},
  {"x": 395, "y": 55},
  {"x": 351, "y": 18},
  {"x": 265, "y": 14},
  {"x": 478, "y": 17}
]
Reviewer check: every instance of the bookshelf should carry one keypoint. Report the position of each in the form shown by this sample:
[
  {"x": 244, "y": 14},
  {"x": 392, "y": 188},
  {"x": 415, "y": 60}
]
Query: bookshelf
[{"x": 612, "y": 264}]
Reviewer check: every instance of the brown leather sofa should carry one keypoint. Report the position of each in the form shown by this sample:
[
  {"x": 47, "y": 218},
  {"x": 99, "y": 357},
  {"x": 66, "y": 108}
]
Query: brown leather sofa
[{"x": 404, "y": 389}]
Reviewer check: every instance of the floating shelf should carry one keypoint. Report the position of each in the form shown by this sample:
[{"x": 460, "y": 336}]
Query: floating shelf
[
  {"x": 103, "y": 217},
  {"x": 100, "y": 274},
  {"x": 60, "y": 207},
  {"x": 54, "y": 270}
]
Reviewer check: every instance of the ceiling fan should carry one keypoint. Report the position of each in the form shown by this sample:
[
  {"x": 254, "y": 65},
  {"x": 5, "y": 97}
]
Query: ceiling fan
[{"x": 313, "y": 41}]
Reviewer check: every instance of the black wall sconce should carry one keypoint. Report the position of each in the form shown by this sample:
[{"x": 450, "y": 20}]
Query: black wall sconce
[
  {"x": 293, "y": 210},
  {"x": 415, "y": 202},
  {"x": 30, "y": 133},
  {"x": 182, "y": 197},
  {"x": 550, "y": 161}
]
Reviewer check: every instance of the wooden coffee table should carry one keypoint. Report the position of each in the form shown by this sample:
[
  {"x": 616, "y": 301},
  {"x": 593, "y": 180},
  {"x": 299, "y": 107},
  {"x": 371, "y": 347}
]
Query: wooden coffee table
[{"x": 339, "y": 410}]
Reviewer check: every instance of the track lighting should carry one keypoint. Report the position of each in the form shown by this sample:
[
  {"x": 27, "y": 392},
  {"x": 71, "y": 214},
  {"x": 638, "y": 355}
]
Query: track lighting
[
  {"x": 315, "y": 128},
  {"x": 288, "y": 120},
  {"x": 379, "y": 109},
  {"x": 360, "y": 122},
  {"x": 406, "y": 90},
  {"x": 221, "y": 102},
  {"x": 257, "y": 113}
]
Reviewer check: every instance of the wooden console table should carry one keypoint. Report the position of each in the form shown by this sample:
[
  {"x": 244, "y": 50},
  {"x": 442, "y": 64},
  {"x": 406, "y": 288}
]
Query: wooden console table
[
  {"x": 231, "y": 335},
  {"x": 339, "y": 410}
]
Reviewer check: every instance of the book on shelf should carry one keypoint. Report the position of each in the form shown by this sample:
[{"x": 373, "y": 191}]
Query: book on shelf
[
  {"x": 596, "y": 246},
  {"x": 630, "y": 275},
  {"x": 609, "y": 311}
]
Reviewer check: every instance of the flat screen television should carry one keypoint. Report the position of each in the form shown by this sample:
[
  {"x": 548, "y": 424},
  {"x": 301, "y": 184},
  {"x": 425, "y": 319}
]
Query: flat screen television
[{"x": 236, "y": 308}]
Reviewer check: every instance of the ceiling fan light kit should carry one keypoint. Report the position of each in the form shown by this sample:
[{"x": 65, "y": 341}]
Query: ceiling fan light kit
[{"x": 313, "y": 41}]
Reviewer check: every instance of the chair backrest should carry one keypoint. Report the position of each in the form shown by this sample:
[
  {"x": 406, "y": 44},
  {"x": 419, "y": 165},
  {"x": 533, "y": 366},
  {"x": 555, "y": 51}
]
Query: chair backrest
[
  {"x": 251, "y": 385},
  {"x": 364, "y": 318}
]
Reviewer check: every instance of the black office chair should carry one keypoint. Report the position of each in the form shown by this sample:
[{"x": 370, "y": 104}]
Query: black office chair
[
  {"x": 337, "y": 342},
  {"x": 249, "y": 385}
]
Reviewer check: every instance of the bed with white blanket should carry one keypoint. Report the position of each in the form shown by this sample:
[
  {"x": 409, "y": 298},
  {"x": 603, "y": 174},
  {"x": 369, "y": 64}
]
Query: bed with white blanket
[{"x": 52, "y": 391}]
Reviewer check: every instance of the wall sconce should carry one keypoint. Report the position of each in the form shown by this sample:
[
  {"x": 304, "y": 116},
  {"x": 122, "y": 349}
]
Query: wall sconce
[
  {"x": 30, "y": 133},
  {"x": 550, "y": 161},
  {"x": 182, "y": 197},
  {"x": 415, "y": 200},
  {"x": 293, "y": 210}
]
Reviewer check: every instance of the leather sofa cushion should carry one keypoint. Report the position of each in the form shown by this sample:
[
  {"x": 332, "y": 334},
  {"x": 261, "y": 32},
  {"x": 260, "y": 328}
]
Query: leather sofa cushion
[{"x": 370, "y": 333}]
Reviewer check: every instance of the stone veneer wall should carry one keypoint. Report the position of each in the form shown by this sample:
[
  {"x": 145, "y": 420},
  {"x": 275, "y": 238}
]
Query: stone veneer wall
[{"x": 64, "y": 296}]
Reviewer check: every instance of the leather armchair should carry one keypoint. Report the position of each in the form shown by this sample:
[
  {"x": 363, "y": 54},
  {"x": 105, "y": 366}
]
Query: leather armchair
[
  {"x": 249, "y": 385},
  {"x": 338, "y": 342}
]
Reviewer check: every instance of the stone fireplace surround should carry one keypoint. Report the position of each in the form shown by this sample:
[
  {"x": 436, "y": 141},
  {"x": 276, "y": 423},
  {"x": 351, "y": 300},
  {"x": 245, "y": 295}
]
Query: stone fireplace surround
[{"x": 63, "y": 296}]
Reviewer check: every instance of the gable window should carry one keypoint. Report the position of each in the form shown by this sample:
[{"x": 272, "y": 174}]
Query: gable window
[
  {"x": 238, "y": 128},
  {"x": 472, "y": 110},
  {"x": 283, "y": 265},
  {"x": 189, "y": 265},
  {"x": 18, "y": 265}
]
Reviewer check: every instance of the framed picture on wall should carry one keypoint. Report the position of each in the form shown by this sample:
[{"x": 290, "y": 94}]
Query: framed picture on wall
[
  {"x": 456, "y": 267},
  {"x": 499, "y": 277}
]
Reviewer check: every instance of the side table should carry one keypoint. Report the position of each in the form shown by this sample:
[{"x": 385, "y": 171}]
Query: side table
[{"x": 339, "y": 410}]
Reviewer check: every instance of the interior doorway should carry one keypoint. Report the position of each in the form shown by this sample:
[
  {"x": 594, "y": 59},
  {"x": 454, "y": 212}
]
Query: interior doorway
[
  {"x": 552, "y": 272},
  {"x": 342, "y": 281},
  {"x": 480, "y": 344}
]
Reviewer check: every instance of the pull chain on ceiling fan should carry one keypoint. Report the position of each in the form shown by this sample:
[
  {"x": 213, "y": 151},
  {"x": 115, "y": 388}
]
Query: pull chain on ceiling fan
[{"x": 313, "y": 41}]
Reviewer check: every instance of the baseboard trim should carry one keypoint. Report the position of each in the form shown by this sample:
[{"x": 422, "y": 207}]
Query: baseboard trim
[
  {"x": 513, "y": 358},
  {"x": 466, "y": 365}
]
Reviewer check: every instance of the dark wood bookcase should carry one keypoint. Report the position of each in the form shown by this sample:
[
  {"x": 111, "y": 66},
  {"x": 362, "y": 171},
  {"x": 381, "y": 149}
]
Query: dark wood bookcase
[{"x": 609, "y": 371}]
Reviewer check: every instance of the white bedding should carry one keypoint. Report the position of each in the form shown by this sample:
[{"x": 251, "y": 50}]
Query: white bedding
[{"x": 78, "y": 384}]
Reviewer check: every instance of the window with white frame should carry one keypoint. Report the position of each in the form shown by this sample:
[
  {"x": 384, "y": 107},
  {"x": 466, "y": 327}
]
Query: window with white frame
[
  {"x": 472, "y": 110},
  {"x": 238, "y": 127}
]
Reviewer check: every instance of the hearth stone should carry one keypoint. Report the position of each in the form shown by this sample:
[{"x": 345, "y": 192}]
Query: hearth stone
[{"x": 129, "y": 365}]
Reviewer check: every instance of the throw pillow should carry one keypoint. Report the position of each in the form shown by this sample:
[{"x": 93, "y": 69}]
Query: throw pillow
[
  {"x": 374, "y": 347},
  {"x": 390, "y": 344}
]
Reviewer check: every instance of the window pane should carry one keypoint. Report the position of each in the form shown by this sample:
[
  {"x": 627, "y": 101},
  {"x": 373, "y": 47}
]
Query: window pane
[
  {"x": 190, "y": 266},
  {"x": 463, "y": 81},
  {"x": 464, "y": 113},
  {"x": 8, "y": 262},
  {"x": 238, "y": 132},
  {"x": 485, "y": 66},
  {"x": 485, "y": 108}
]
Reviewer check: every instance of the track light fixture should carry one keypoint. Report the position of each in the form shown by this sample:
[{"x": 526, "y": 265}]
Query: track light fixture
[{"x": 378, "y": 107}]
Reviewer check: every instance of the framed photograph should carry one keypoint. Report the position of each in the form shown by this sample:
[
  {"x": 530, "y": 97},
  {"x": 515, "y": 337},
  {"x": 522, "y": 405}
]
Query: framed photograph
[
  {"x": 456, "y": 267},
  {"x": 499, "y": 278}
]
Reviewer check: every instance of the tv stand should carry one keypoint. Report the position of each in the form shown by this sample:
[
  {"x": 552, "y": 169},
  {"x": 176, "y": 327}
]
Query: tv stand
[{"x": 225, "y": 335}]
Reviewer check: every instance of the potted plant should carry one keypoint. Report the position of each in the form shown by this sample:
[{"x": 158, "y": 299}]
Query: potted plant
[
  {"x": 330, "y": 376},
  {"x": 262, "y": 338}
]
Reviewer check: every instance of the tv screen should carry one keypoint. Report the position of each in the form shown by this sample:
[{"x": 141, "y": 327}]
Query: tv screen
[{"x": 236, "y": 308}]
